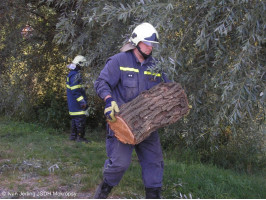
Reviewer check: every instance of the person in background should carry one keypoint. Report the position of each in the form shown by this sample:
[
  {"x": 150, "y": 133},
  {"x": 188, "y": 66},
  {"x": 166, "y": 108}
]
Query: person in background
[
  {"x": 123, "y": 78},
  {"x": 77, "y": 100}
]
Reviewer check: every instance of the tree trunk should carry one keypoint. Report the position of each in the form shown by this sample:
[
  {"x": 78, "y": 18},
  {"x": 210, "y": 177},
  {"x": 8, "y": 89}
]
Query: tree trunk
[{"x": 160, "y": 106}]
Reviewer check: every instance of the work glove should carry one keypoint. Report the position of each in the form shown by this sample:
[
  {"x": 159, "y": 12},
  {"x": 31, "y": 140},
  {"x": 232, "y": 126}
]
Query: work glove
[
  {"x": 87, "y": 112},
  {"x": 110, "y": 108}
]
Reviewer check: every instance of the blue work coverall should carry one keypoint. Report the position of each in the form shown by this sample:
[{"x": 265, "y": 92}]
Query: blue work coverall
[
  {"x": 76, "y": 97},
  {"x": 124, "y": 78}
]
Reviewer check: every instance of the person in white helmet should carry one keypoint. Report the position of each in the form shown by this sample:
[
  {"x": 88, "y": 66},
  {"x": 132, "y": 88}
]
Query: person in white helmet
[
  {"x": 77, "y": 100},
  {"x": 123, "y": 78}
]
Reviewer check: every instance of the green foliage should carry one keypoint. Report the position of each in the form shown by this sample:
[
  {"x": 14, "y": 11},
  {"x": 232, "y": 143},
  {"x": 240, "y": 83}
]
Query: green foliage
[
  {"x": 242, "y": 151},
  {"x": 203, "y": 181},
  {"x": 53, "y": 112},
  {"x": 214, "y": 48}
]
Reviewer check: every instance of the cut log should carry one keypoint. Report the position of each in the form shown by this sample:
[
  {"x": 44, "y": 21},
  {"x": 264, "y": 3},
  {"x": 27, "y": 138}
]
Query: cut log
[{"x": 160, "y": 106}]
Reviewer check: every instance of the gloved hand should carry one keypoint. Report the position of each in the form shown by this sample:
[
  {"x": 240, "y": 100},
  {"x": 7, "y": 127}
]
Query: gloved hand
[
  {"x": 87, "y": 112},
  {"x": 110, "y": 108}
]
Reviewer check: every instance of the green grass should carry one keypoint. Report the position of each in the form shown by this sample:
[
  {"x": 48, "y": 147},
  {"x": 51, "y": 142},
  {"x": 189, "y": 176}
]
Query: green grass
[{"x": 41, "y": 160}]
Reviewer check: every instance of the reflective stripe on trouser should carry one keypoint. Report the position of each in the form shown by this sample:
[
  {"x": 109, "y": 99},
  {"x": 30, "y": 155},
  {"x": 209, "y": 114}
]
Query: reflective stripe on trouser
[
  {"x": 149, "y": 153},
  {"x": 78, "y": 126}
]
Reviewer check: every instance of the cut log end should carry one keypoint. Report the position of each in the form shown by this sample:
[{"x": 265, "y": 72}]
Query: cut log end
[{"x": 122, "y": 131}]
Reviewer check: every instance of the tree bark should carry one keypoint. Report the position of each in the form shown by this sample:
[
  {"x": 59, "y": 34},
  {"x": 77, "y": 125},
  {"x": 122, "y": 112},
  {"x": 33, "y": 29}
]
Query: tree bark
[{"x": 160, "y": 106}]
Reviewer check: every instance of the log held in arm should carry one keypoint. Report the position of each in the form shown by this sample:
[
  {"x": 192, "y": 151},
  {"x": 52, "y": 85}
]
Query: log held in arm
[{"x": 162, "y": 105}]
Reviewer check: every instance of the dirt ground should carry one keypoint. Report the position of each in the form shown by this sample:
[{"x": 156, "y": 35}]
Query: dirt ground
[{"x": 34, "y": 187}]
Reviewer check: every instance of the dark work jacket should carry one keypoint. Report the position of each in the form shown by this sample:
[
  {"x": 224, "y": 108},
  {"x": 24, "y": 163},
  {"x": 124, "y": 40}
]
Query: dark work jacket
[
  {"x": 75, "y": 93},
  {"x": 124, "y": 77}
]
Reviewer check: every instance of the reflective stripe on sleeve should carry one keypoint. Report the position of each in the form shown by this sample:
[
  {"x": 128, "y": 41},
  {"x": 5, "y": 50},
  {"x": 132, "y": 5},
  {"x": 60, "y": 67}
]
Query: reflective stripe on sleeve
[
  {"x": 154, "y": 74},
  {"x": 77, "y": 113},
  {"x": 80, "y": 98},
  {"x": 129, "y": 69}
]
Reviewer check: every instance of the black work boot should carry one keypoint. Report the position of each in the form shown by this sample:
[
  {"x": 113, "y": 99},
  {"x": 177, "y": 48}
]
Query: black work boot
[
  {"x": 153, "y": 193},
  {"x": 102, "y": 191}
]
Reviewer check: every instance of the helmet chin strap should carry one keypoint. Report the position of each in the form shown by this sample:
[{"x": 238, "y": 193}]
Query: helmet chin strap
[{"x": 144, "y": 55}]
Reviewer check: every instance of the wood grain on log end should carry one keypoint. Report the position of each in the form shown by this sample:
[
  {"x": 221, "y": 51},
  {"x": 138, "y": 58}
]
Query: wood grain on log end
[{"x": 122, "y": 131}]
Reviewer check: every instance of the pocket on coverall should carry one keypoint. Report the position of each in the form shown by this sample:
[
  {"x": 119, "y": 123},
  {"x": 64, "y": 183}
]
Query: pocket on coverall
[{"x": 131, "y": 89}]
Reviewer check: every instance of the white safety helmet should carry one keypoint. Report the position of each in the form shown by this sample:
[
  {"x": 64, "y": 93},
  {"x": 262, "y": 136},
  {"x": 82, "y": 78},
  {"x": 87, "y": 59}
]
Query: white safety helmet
[
  {"x": 79, "y": 60},
  {"x": 146, "y": 33}
]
